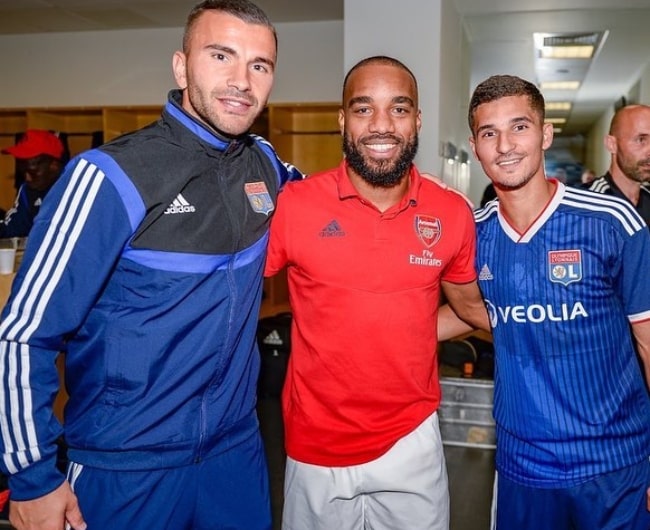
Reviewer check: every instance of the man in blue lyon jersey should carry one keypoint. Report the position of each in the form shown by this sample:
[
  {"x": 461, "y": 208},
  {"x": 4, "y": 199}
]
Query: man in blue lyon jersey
[{"x": 563, "y": 272}]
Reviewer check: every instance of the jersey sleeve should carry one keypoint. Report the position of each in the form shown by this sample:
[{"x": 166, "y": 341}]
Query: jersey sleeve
[
  {"x": 276, "y": 257},
  {"x": 462, "y": 268},
  {"x": 632, "y": 275},
  {"x": 77, "y": 238},
  {"x": 18, "y": 220},
  {"x": 286, "y": 172}
]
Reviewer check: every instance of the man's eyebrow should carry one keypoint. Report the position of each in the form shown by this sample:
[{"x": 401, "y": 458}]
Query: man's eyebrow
[
  {"x": 265, "y": 60},
  {"x": 484, "y": 127},
  {"x": 232, "y": 51},
  {"x": 404, "y": 99},
  {"x": 359, "y": 99},
  {"x": 513, "y": 121},
  {"x": 368, "y": 99},
  {"x": 519, "y": 119},
  {"x": 222, "y": 48}
]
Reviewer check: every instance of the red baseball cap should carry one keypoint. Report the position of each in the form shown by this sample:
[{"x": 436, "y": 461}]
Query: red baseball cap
[{"x": 36, "y": 142}]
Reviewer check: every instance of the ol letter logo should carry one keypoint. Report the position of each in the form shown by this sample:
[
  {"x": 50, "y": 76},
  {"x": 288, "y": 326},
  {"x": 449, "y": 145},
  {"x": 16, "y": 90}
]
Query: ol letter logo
[
  {"x": 428, "y": 229},
  {"x": 259, "y": 197},
  {"x": 565, "y": 266}
]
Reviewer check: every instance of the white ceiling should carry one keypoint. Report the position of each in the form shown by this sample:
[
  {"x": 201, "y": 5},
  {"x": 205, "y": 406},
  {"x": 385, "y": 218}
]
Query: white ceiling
[
  {"x": 501, "y": 35},
  {"x": 500, "y": 32},
  {"x": 34, "y": 16}
]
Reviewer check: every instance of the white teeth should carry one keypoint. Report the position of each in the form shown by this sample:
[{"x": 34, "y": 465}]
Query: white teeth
[{"x": 382, "y": 148}]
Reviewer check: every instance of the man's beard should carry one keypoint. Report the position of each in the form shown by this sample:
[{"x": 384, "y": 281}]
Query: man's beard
[
  {"x": 636, "y": 170},
  {"x": 231, "y": 126},
  {"x": 512, "y": 186},
  {"x": 380, "y": 173}
]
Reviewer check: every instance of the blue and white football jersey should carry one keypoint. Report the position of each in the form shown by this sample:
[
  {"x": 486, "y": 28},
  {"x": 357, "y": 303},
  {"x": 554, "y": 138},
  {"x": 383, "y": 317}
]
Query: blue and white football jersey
[{"x": 570, "y": 399}]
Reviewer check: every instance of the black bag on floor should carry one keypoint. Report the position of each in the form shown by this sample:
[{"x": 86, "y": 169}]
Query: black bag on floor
[
  {"x": 274, "y": 341},
  {"x": 478, "y": 352}
]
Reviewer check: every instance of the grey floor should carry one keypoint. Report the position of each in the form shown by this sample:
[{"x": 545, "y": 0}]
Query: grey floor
[{"x": 471, "y": 474}]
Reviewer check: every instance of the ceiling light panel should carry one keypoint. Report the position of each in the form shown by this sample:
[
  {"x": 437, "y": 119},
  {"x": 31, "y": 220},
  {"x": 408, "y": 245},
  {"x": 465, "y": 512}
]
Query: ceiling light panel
[
  {"x": 566, "y": 52},
  {"x": 567, "y": 45},
  {"x": 559, "y": 85},
  {"x": 558, "y": 105}
]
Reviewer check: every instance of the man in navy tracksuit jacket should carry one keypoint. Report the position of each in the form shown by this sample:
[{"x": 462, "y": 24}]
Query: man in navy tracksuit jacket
[
  {"x": 145, "y": 267},
  {"x": 39, "y": 158},
  {"x": 152, "y": 287}
]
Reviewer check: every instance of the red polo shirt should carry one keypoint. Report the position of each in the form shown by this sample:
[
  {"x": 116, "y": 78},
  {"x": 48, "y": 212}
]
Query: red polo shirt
[{"x": 364, "y": 288}]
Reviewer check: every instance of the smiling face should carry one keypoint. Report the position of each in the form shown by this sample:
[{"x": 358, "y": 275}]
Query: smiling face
[
  {"x": 380, "y": 121},
  {"x": 226, "y": 71},
  {"x": 509, "y": 139}
]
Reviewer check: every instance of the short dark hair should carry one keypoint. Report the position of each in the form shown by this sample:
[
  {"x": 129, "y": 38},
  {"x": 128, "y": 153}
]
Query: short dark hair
[
  {"x": 501, "y": 86},
  {"x": 241, "y": 9},
  {"x": 380, "y": 59}
]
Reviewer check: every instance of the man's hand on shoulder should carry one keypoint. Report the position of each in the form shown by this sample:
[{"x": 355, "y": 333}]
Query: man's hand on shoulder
[
  {"x": 436, "y": 179},
  {"x": 439, "y": 182},
  {"x": 49, "y": 512}
]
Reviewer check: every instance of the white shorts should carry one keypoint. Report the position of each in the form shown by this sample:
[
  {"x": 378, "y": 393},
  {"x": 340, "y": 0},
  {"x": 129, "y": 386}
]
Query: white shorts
[{"x": 404, "y": 489}]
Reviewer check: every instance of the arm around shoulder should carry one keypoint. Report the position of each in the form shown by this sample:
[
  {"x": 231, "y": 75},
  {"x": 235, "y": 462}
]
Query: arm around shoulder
[
  {"x": 641, "y": 332},
  {"x": 464, "y": 312}
]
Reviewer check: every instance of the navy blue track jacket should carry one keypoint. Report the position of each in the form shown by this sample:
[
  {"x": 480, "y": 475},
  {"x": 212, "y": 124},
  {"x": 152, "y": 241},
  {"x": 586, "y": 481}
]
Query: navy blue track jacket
[
  {"x": 20, "y": 217},
  {"x": 145, "y": 267}
]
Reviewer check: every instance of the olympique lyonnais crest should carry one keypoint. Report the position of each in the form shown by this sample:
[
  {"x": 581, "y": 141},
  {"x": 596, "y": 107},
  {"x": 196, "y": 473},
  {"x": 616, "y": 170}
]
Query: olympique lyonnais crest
[
  {"x": 565, "y": 266},
  {"x": 259, "y": 197},
  {"x": 428, "y": 229}
]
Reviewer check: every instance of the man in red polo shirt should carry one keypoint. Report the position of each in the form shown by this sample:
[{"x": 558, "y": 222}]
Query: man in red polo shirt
[{"x": 368, "y": 246}]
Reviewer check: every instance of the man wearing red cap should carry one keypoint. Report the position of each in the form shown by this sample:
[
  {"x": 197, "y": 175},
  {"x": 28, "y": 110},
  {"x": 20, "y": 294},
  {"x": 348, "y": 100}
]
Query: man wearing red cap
[{"x": 38, "y": 157}]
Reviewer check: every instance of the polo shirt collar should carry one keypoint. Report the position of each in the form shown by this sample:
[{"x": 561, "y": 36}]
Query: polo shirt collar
[{"x": 348, "y": 191}]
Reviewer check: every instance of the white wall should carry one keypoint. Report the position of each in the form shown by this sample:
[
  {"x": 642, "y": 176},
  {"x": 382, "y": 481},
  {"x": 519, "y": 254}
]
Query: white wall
[
  {"x": 644, "y": 86},
  {"x": 596, "y": 156},
  {"x": 87, "y": 68},
  {"x": 455, "y": 76},
  {"x": 133, "y": 67},
  {"x": 375, "y": 27},
  {"x": 310, "y": 62}
]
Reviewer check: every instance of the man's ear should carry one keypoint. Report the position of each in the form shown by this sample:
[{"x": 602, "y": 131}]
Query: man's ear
[
  {"x": 610, "y": 143},
  {"x": 472, "y": 144},
  {"x": 179, "y": 67},
  {"x": 547, "y": 135}
]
